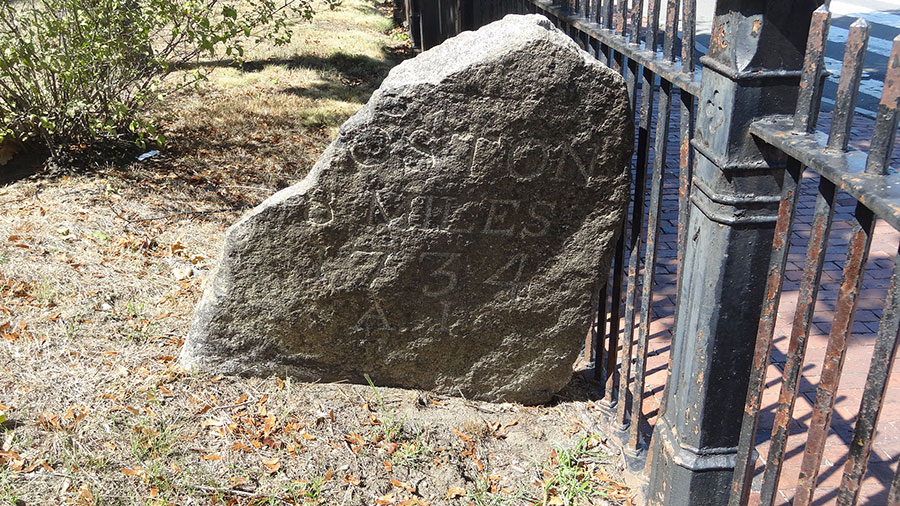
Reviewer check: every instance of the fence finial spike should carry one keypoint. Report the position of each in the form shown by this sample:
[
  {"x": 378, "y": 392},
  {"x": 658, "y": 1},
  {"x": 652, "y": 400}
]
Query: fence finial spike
[
  {"x": 822, "y": 9},
  {"x": 890, "y": 95},
  {"x": 859, "y": 23},
  {"x": 882, "y": 143}
]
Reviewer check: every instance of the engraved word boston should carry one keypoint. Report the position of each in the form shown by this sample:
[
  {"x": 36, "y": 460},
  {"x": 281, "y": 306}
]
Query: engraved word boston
[{"x": 523, "y": 159}]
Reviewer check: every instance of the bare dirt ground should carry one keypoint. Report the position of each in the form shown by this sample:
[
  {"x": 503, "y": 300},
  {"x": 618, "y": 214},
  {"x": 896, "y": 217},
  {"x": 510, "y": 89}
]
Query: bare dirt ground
[{"x": 100, "y": 268}]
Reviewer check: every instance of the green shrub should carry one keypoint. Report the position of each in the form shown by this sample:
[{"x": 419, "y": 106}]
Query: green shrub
[{"x": 82, "y": 71}]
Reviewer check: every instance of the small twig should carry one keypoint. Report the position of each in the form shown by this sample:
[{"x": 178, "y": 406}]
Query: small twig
[
  {"x": 186, "y": 213},
  {"x": 259, "y": 188},
  {"x": 596, "y": 460},
  {"x": 341, "y": 390},
  {"x": 348, "y": 494},
  {"x": 120, "y": 215},
  {"x": 16, "y": 201},
  {"x": 481, "y": 408}
]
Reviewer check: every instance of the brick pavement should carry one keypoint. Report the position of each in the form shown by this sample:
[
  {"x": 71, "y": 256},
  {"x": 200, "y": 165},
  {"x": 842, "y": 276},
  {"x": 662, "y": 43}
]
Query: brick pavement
[{"x": 883, "y": 461}]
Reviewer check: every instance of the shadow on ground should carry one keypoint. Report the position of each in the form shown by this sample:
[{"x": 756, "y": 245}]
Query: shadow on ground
[{"x": 348, "y": 69}]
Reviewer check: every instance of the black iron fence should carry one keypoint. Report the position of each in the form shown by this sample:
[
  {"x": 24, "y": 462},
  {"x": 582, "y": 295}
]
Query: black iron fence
[{"x": 747, "y": 115}]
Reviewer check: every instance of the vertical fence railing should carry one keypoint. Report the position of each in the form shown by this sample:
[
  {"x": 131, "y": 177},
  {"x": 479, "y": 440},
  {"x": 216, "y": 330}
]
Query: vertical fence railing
[
  {"x": 616, "y": 19},
  {"x": 625, "y": 35},
  {"x": 648, "y": 91},
  {"x": 630, "y": 70},
  {"x": 804, "y": 120},
  {"x": 685, "y": 152}
]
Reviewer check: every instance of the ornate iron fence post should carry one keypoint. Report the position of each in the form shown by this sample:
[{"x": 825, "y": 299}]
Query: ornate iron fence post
[{"x": 752, "y": 70}]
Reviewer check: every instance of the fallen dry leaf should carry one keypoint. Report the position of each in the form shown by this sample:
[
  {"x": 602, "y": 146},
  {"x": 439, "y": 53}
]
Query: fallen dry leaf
[
  {"x": 386, "y": 499},
  {"x": 9, "y": 456},
  {"x": 390, "y": 447},
  {"x": 34, "y": 465},
  {"x": 48, "y": 421},
  {"x": 462, "y": 436},
  {"x": 413, "y": 502},
  {"x": 403, "y": 485},
  {"x": 272, "y": 465},
  {"x": 454, "y": 492},
  {"x": 85, "y": 497},
  {"x": 269, "y": 424}
]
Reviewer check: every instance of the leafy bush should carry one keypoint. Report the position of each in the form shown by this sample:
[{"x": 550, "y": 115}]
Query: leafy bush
[{"x": 81, "y": 71}]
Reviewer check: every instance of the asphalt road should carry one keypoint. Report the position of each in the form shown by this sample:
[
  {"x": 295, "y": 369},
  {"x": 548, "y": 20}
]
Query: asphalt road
[{"x": 882, "y": 15}]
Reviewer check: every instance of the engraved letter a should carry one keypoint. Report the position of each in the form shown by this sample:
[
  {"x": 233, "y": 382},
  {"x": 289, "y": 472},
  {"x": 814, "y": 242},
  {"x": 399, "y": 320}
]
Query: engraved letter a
[{"x": 373, "y": 319}]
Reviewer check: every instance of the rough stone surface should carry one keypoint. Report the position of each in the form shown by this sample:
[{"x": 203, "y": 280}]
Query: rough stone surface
[{"x": 450, "y": 238}]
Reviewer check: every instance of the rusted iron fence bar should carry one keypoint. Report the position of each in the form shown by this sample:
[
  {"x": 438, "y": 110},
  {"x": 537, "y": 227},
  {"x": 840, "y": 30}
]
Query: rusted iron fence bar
[
  {"x": 615, "y": 363},
  {"x": 847, "y": 92},
  {"x": 660, "y": 142},
  {"x": 621, "y": 15},
  {"x": 883, "y": 356},
  {"x": 606, "y": 327},
  {"x": 648, "y": 91},
  {"x": 805, "y": 116},
  {"x": 609, "y": 13},
  {"x": 612, "y": 377},
  {"x": 685, "y": 156},
  {"x": 836, "y": 352},
  {"x": 888, "y": 114},
  {"x": 634, "y": 246},
  {"x": 616, "y": 22},
  {"x": 637, "y": 12},
  {"x": 594, "y": 350}
]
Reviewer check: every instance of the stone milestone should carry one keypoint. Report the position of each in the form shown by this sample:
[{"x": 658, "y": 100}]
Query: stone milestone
[{"x": 449, "y": 239}]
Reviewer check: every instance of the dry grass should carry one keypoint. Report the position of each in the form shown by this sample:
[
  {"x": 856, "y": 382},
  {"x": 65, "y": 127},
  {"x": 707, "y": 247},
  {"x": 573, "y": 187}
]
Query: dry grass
[{"x": 100, "y": 270}]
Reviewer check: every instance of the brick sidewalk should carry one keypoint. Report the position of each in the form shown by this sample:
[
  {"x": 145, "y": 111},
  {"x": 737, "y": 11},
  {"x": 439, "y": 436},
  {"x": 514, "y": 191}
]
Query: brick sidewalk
[{"x": 878, "y": 271}]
